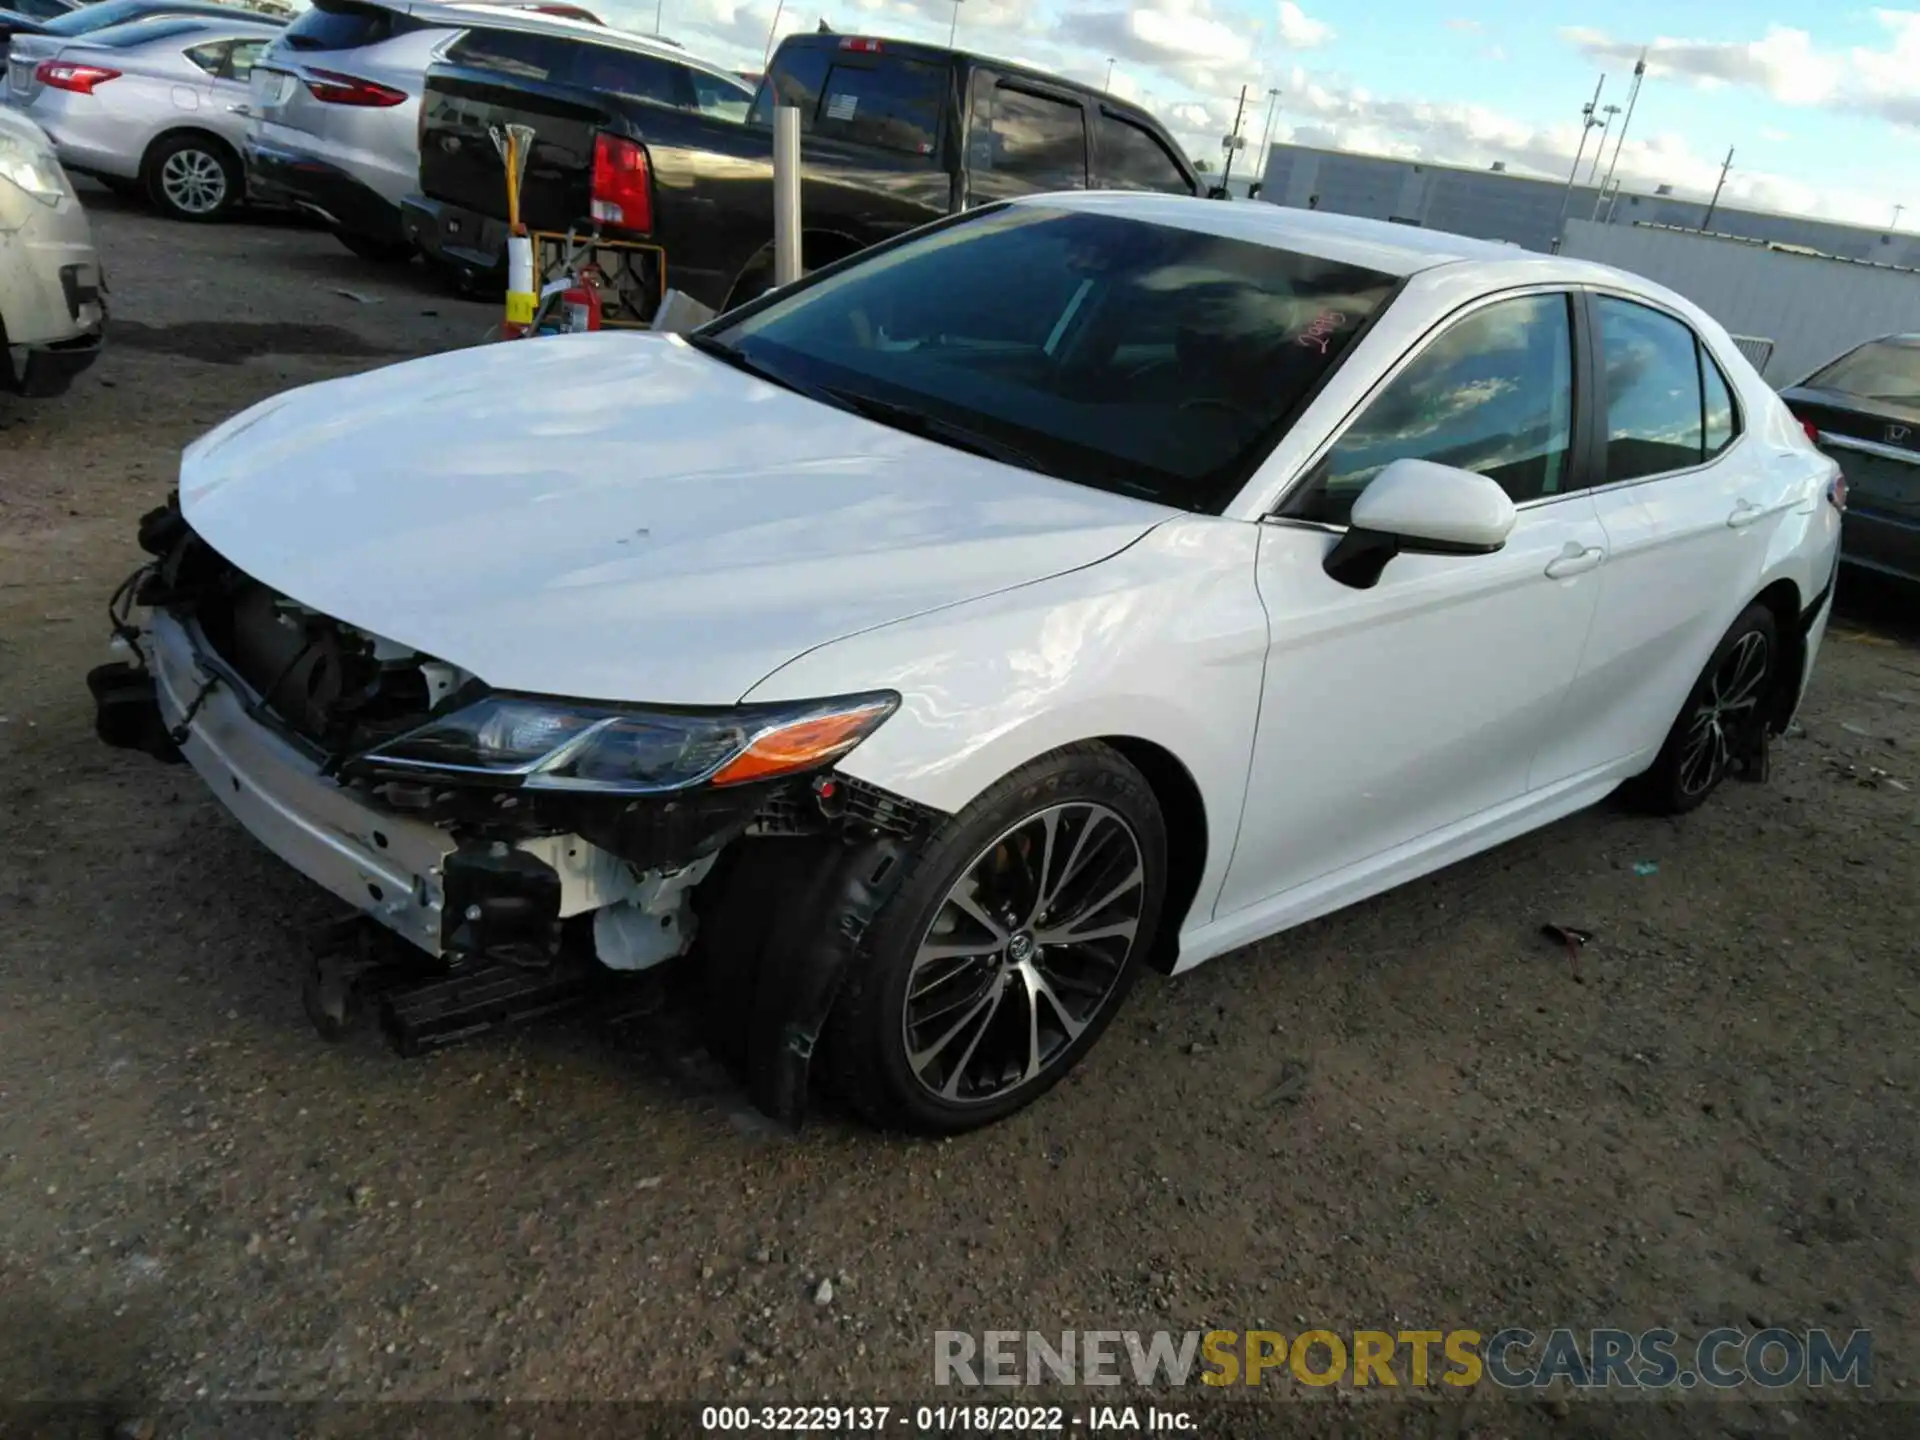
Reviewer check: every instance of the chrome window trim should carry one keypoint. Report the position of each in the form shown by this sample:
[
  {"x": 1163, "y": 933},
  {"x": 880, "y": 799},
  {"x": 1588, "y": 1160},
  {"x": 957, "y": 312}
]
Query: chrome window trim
[
  {"x": 1870, "y": 447},
  {"x": 1519, "y": 292}
]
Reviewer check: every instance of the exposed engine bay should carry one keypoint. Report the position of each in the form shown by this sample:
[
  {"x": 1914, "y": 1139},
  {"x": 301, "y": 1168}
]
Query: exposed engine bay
[{"x": 367, "y": 765}]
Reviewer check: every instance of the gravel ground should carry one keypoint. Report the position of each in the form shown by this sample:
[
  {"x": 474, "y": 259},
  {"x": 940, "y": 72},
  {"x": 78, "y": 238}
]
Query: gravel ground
[{"x": 1413, "y": 1113}]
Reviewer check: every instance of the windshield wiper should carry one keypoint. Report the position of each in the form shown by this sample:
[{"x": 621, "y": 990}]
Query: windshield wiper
[
  {"x": 739, "y": 359},
  {"x": 945, "y": 432}
]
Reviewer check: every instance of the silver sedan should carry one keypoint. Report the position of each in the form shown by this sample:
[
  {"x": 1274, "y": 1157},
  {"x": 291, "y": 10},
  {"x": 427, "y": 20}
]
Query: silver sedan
[{"x": 148, "y": 106}]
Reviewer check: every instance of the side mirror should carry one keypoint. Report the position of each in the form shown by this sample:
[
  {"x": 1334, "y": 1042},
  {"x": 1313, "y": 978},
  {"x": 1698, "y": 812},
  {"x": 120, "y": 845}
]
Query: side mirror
[{"x": 1418, "y": 506}]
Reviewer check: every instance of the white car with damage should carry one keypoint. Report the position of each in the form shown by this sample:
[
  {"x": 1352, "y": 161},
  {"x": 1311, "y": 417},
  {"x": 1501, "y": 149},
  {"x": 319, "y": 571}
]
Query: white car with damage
[
  {"x": 52, "y": 305},
  {"x": 1072, "y": 586}
]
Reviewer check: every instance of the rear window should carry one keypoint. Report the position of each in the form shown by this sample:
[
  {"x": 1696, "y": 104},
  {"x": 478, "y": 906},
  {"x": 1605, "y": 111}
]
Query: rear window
[
  {"x": 89, "y": 18},
  {"x": 342, "y": 25},
  {"x": 1878, "y": 370},
  {"x": 882, "y": 100},
  {"x": 562, "y": 60},
  {"x": 1153, "y": 360}
]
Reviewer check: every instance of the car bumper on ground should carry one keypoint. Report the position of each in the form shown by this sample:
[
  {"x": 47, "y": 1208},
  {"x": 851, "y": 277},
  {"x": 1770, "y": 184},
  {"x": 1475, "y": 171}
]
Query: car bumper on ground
[
  {"x": 462, "y": 238},
  {"x": 287, "y": 177}
]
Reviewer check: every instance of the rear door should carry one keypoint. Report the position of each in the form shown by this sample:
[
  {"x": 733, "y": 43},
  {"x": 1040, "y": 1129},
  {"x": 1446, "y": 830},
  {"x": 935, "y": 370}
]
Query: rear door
[{"x": 1688, "y": 520}]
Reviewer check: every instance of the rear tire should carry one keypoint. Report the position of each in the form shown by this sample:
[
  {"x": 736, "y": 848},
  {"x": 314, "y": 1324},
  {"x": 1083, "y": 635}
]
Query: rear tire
[
  {"x": 380, "y": 252},
  {"x": 1005, "y": 950},
  {"x": 1731, "y": 694},
  {"x": 193, "y": 177}
]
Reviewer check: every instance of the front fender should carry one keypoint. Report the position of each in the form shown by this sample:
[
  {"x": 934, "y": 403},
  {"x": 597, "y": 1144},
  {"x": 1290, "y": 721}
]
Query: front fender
[{"x": 1164, "y": 642}]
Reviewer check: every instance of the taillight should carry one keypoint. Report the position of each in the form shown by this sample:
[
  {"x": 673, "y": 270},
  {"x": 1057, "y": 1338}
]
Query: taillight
[
  {"x": 80, "y": 79},
  {"x": 621, "y": 193},
  {"x": 337, "y": 89},
  {"x": 1813, "y": 430},
  {"x": 861, "y": 44},
  {"x": 1837, "y": 492}
]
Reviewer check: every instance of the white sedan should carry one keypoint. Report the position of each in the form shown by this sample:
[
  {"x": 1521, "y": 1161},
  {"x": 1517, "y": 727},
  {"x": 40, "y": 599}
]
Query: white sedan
[{"x": 1075, "y": 585}]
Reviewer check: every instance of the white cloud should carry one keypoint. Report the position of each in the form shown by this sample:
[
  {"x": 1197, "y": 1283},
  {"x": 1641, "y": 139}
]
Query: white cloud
[
  {"x": 1470, "y": 26},
  {"x": 1299, "y": 30},
  {"x": 1786, "y": 65}
]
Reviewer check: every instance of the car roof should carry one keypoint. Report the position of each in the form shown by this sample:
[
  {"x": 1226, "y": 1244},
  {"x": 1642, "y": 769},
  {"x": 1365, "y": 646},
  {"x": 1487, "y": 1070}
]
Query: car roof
[
  {"x": 477, "y": 15},
  {"x": 1375, "y": 244}
]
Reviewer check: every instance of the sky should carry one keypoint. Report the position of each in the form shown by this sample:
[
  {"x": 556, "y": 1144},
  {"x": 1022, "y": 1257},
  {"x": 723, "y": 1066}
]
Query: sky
[{"x": 1821, "y": 107}]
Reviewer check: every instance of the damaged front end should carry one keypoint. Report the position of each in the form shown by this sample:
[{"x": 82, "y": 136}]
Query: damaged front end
[{"x": 520, "y": 843}]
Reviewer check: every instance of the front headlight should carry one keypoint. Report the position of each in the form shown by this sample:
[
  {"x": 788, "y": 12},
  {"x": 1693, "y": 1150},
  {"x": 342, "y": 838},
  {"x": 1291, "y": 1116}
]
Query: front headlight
[
  {"x": 532, "y": 743},
  {"x": 34, "y": 168}
]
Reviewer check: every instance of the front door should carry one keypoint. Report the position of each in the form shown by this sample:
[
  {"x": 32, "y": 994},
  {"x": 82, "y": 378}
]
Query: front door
[{"x": 1391, "y": 713}]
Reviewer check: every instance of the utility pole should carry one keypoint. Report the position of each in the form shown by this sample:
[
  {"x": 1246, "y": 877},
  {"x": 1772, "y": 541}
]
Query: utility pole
[
  {"x": 1714, "y": 203},
  {"x": 954, "y": 28},
  {"x": 1587, "y": 122},
  {"x": 1896, "y": 217},
  {"x": 1266, "y": 135},
  {"x": 1109, "y": 85},
  {"x": 1639, "y": 72},
  {"x": 1226, "y": 171},
  {"x": 1609, "y": 111}
]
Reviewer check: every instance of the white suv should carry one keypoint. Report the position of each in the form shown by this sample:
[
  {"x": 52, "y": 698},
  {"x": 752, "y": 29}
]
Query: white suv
[{"x": 51, "y": 310}]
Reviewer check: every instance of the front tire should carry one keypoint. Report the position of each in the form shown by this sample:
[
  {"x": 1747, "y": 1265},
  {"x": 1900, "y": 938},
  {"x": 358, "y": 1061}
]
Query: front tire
[
  {"x": 193, "y": 177},
  {"x": 1007, "y": 949},
  {"x": 1720, "y": 720}
]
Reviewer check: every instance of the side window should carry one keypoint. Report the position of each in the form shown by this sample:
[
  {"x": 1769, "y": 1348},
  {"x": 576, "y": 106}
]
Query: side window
[
  {"x": 799, "y": 75},
  {"x": 1653, "y": 391},
  {"x": 637, "y": 77},
  {"x": 1722, "y": 424},
  {"x": 1132, "y": 158},
  {"x": 1492, "y": 394},
  {"x": 717, "y": 98},
  {"x": 210, "y": 57},
  {"x": 1040, "y": 142},
  {"x": 242, "y": 58}
]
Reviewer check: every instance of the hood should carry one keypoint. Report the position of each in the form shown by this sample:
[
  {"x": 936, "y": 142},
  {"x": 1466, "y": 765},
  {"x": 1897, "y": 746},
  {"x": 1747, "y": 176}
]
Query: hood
[{"x": 617, "y": 516}]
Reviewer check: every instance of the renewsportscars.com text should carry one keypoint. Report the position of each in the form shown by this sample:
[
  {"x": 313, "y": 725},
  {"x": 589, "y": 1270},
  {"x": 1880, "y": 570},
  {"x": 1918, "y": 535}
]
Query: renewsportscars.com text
[{"x": 1510, "y": 1359}]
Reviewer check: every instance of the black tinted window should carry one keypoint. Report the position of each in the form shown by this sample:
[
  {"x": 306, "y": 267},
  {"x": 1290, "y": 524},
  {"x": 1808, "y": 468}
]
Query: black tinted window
[
  {"x": 1132, "y": 158},
  {"x": 799, "y": 73},
  {"x": 1722, "y": 422},
  {"x": 342, "y": 25},
  {"x": 894, "y": 104},
  {"x": 1157, "y": 361},
  {"x": 1493, "y": 394},
  {"x": 567, "y": 61},
  {"x": 1878, "y": 370},
  {"x": 1653, "y": 391},
  {"x": 1038, "y": 141}
]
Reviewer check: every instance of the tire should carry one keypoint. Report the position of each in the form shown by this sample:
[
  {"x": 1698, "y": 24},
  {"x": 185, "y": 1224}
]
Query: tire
[
  {"x": 995, "y": 1025},
  {"x": 1709, "y": 731},
  {"x": 379, "y": 251},
  {"x": 193, "y": 177}
]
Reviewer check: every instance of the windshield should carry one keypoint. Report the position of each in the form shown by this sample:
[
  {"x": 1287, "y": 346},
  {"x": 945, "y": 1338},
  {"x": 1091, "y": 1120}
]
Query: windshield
[
  {"x": 1113, "y": 352},
  {"x": 1878, "y": 370}
]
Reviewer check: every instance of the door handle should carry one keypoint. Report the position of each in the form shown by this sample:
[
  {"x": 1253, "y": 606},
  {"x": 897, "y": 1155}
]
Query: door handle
[
  {"x": 1745, "y": 513},
  {"x": 1575, "y": 559},
  {"x": 239, "y": 109}
]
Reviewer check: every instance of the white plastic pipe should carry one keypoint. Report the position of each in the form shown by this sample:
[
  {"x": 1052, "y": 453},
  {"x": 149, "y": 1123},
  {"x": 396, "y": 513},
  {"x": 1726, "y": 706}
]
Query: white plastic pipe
[{"x": 786, "y": 195}]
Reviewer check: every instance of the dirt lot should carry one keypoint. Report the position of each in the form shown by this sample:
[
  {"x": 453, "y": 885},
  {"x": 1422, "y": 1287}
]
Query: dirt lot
[{"x": 1414, "y": 1113}]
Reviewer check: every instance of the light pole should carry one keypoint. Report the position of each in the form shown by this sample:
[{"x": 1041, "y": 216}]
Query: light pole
[
  {"x": 1266, "y": 135},
  {"x": 1896, "y": 217},
  {"x": 1587, "y": 122},
  {"x": 772, "y": 30},
  {"x": 658, "y": 5},
  {"x": 1234, "y": 140},
  {"x": 1109, "y": 84},
  {"x": 1639, "y": 72},
  {"x": 954, "y": 28},
  {"x": 1609, "y": 111}
]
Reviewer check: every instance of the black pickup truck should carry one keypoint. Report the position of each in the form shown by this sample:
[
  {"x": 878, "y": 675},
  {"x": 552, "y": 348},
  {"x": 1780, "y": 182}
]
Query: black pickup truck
[{"x": 894, "y": 134}]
